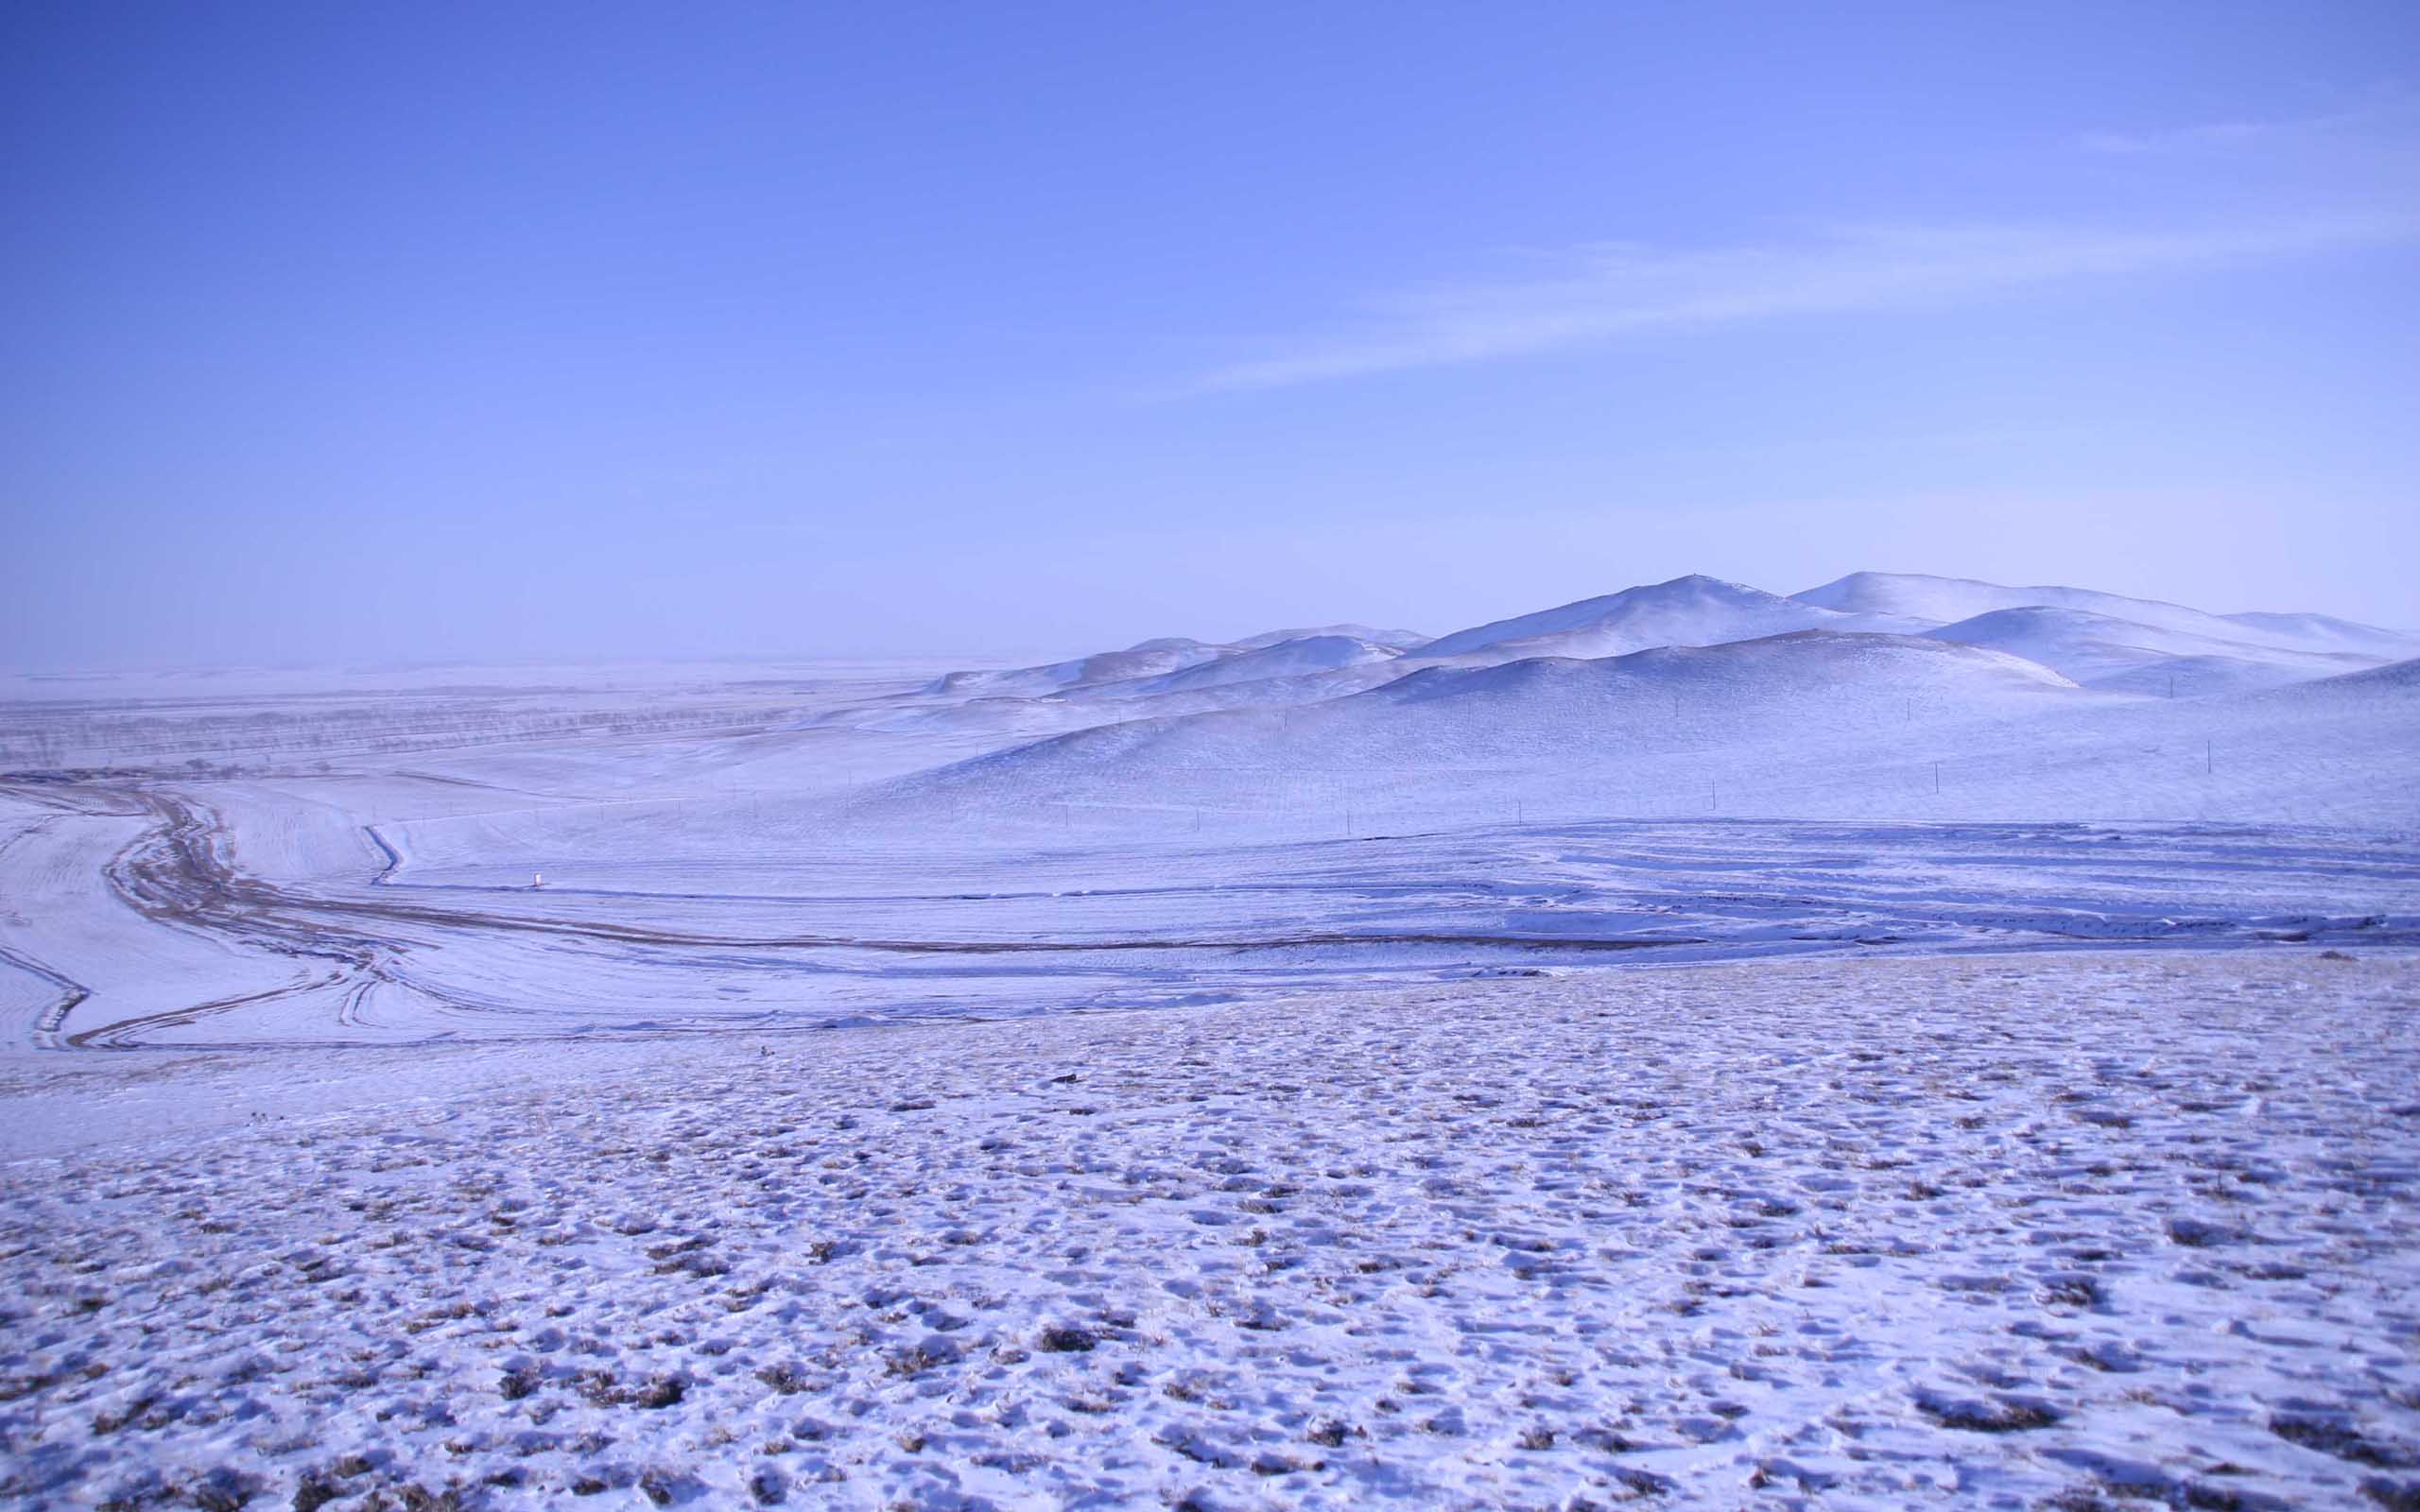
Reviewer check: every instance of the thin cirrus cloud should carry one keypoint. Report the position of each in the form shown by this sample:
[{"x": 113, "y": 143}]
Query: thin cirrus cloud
[
  {"x": 2211, "y": 135},
  {"x": 1601, "y": 293},
  {"x": 2384, "y": 120}
]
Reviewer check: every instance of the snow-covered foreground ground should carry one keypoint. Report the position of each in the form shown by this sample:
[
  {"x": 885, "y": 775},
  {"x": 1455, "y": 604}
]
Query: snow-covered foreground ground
[{"x": 2015, "y": 1230}]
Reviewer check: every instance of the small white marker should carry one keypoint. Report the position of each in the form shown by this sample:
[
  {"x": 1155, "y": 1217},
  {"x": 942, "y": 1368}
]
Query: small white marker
[{"x": 537, "y": 879}]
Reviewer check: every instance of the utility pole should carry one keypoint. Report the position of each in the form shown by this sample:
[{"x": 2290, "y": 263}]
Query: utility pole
[{"x": 1936, "y": 777}]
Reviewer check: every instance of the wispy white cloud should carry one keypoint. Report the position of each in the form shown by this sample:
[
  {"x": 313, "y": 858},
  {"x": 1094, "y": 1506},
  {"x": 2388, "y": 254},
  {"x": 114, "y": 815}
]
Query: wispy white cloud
[
  {"x": 1601, "y": 293},
  {"x": 2213, "y": 134},
  {"x": 2389, "y": 112},
  {"x": 2350, "y": 181}
]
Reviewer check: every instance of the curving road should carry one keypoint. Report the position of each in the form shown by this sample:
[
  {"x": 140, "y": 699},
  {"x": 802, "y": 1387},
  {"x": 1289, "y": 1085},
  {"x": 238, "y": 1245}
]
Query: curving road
[{"x": 136, "y": 927}]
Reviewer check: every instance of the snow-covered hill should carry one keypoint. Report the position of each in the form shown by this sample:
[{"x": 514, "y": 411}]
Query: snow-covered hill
[
  {"x": 1947, "y": 600},
  {"x": 2203, "y": 677},
  {"x": 1280, "y": 660},
  {"x": 1692, "y": 611},
  {"x": 1393, "y": 640},
  {"x": 1148, "y": 658},
  {"x": 2100, "y": 651},
  {"x": 1553, "y": 716},
  {"x": 1810, "y": 725},
  {"x": 2320, "y": 632}
]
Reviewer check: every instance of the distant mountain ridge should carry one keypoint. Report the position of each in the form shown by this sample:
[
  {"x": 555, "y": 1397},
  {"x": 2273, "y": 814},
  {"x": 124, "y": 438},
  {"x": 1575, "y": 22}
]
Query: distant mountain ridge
[{"x": 2110, "y": 641}]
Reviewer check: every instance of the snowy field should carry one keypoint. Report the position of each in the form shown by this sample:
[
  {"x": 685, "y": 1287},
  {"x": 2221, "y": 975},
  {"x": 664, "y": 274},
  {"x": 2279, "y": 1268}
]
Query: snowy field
[
  {"x": 2088, "y": 1230},
  {"x": 1912, "y": 1042}
]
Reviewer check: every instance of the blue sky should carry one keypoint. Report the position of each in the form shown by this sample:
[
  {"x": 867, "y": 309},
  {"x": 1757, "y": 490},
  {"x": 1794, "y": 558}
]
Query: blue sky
[{"x": 355, "y": 332}]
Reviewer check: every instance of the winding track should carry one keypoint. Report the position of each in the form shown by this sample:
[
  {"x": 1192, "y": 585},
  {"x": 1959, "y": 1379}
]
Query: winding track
[
  {"x": 189, "y": 881},
  {"x": 179, "y": 875}
]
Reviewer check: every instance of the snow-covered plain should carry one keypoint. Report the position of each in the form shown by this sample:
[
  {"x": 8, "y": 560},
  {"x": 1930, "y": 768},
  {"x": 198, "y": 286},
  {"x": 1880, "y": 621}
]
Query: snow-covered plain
[{"x": 2054, "y": 950}]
